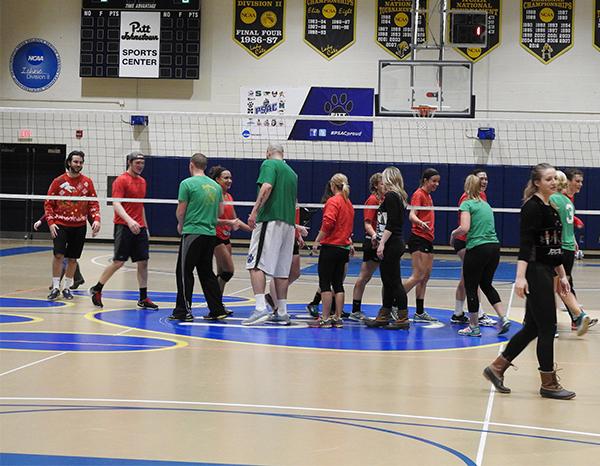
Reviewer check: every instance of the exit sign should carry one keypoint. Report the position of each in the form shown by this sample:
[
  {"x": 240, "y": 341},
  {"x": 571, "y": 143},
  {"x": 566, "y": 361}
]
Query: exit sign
[{"x": 24, "y": 135}]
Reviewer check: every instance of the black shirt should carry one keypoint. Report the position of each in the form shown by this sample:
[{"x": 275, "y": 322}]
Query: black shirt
[
  {"x": 541, "y": 232},
  {"x": 390, "y": 215}
]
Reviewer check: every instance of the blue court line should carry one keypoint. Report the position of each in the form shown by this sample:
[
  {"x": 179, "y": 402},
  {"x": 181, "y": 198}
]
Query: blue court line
[
  {"x": 10, "y": 319},
  {"x": 23, "y": 250},
  {"x": 20, "y": 459},
  {"x": 27, "y": 303}
]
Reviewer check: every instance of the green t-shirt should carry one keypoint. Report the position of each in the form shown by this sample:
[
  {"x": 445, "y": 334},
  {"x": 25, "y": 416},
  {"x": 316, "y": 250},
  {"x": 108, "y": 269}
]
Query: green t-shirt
[
  {"x": 281, "y": 204},
  {"x": 203, "y": 196},
  {"x": 483, "y": 228},
  {"x": 566, "y": 211}
]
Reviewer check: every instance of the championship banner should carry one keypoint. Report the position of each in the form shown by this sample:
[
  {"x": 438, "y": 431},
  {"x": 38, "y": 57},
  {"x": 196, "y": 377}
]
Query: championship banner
[
  {"x": 493, "y": 8},
  {"x": 394, "y": 26},
  {"x": 547, "y": 28},
  {"x": 597, "y": 25},
  {"x": 329, "y": 25},
  {"x": 258, "y": 25},
  {"x": 265, "y": 106},
  {"x": 139, "y": 48}
]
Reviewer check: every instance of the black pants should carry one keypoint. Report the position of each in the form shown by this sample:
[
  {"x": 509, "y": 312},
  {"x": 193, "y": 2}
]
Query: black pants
[
  {"x": 568, "y": 262},
  {"x": 389, "y": 269},
  {"x": 196, "y": 251},
  {"x": 479, "y": 267},
  {"x": 332, "y": 265},
  {"x": 540, "y": 317}
]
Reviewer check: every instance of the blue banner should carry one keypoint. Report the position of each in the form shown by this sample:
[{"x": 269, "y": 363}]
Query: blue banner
[
  {"x": 35, "y": 65},
  {"x": 336, "y": 101}
]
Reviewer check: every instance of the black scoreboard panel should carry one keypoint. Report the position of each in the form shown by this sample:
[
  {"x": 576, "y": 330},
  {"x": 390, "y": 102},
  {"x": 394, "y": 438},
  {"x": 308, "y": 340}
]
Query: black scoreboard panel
[{"x": 179, "y": 37}]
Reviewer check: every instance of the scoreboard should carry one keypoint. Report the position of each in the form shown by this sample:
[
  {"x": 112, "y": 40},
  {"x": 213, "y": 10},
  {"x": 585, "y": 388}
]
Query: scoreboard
[{"x": 140, "y": 39}]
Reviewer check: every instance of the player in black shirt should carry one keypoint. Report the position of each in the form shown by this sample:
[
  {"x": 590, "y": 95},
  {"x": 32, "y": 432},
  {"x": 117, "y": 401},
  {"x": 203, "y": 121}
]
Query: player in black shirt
[{"x": 540, "y": 258}]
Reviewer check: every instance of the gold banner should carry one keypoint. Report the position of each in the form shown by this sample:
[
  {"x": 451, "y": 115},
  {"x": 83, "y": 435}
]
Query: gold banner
[
  {"x": 494, "y": 35},
  {"x": 394, "y": 26},
  {"x": 258, "y": 25},
  {"x": 329, "y": 25}
]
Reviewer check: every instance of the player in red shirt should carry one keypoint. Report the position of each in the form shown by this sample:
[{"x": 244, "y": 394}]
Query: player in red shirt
[
  {"x": 226, "y": 223},
  {"x": 67, "y": 220},
  {"x": 370, "y": 261},
  {"x": 335, "y": 239},
  {"x": 420, "y": 242},
  {"x": 130, "y": 232}
]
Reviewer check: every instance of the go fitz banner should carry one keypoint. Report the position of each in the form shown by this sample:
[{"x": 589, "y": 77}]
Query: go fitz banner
[{"x": 139, "y": 51}]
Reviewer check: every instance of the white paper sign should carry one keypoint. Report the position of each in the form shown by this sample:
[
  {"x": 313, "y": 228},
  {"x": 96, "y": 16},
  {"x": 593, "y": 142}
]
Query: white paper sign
[{"x": 140, "y": 44}]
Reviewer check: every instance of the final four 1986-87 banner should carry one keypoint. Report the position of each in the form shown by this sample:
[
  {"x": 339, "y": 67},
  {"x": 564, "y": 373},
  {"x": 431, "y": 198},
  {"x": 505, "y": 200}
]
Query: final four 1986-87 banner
[
  {"x": 329, "y": 25},
  {"x": 394, "y": 26},
  {"x": 258, "y": 25},
  {"x": 493, "y": 8}
]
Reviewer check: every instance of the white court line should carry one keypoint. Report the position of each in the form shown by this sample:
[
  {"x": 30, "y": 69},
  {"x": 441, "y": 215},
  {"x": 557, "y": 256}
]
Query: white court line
[
  {"x": 298, "y": 408},
  {"x": 32, "y": 363},
  {"x": 490, "y": 403}
]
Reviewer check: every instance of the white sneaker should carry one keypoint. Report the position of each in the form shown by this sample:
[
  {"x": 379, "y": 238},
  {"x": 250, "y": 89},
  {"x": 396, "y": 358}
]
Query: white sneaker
[
  {"x": 257, "y": 317},
  {"x": 280, "y": 320},
  {"x": 487, "y": 321}
]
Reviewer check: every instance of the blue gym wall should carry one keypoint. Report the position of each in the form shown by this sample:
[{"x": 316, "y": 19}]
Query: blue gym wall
[{"x": 505, "y": 189}]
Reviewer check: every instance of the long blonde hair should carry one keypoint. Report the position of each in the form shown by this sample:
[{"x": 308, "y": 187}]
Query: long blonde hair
[
  {"x": 561, "y": 181},
  {"x": 473, "y": 187},
  {"x": 536, "y": 175},
  {"x": 340, "y": 181},
  {"x": 393, "y": 181}
]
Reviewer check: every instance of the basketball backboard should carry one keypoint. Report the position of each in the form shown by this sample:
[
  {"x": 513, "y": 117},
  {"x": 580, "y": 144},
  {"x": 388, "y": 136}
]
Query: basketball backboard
[{"x": 446, "y": 85}]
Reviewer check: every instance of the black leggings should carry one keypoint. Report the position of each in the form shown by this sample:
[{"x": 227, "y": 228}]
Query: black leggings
[
  {"x": 389, "y": 268},
  {"x": 332, "y": 265},
  {"x": 478, "y": 270},
  {"x": 540, "y": 317},
  {"x": 568, "y": 262}
]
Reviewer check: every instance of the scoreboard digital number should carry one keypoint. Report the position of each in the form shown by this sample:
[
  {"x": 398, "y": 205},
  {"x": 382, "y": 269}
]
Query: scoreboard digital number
[{"x": 140, "y": 39}]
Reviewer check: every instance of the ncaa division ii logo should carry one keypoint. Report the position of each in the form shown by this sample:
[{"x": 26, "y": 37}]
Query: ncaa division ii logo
[{"x": 35, "y": 65}]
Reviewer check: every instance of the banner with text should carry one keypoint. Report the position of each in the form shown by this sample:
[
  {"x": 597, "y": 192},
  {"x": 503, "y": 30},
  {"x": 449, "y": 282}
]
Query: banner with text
[
  {"x": 547, "y": 28},
  {"x": 258, "y": 26},
  {"x": 265, "y": 106},
  {"x": 494, "y": 10},
  {"x": 597, "y": 25},
  {"x": 139, "y": 46},
  {"x": 394, "y": 26},
  {"x": 329, "y": 25}
]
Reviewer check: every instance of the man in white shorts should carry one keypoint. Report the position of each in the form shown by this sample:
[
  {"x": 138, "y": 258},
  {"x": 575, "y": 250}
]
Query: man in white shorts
[{"x": 272, "y": 219}]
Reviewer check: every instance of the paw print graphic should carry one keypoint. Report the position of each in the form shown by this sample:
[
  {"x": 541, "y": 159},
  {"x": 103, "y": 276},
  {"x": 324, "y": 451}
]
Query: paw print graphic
[{"x": 338, "y": 106}]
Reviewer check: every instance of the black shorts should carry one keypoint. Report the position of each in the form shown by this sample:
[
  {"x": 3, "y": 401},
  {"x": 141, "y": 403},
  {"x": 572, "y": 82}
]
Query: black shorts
[
  {"x": 459, "y": 245},
  {"x": 568, "y": 258},
  {"x": 418, "y": 243},
  {"x": 129, "y": 245},
  {"x": 369, "y": 253},
  {"x": 221, "y": 241},
  {"x": 69, "y": 241},
  {"x": 296, "y": 250}
]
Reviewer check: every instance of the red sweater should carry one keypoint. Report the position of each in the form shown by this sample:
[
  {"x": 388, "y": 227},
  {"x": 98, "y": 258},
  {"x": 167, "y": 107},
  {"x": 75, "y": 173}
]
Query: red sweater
[
  {"x": 71, "y": 213},
  {"x": 338, "y": 221}
]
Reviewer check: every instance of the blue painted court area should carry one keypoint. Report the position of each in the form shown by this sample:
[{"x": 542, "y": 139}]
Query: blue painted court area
[
  {"x": 354, "y": 336},
  {"x": 443, "y": 269},
  {"x": 82, "y": 342},
  {"x": 156, "y": 296},
  {"x": 8, "y": 319},
  {"x": 28, "y": 303},
  {"x": 23, "y": 250},
  {"x": 18, "y": 459}
]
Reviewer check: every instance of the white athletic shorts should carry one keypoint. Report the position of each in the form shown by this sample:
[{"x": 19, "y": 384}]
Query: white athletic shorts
[{"x": 271, "y": 248}]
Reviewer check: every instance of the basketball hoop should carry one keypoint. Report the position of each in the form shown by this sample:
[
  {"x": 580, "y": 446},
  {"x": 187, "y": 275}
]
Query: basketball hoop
[{"x": 423, "y": 111}]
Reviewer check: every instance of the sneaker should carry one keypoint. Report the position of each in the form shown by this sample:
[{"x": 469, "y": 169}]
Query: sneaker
[
  {"x": 96, "y": 297},
  {"x": 424, "y": 317},
  {"x": 504, "y": 326},
  {"x": 270, "y": 302},
  {"x": 487, "y": 321},
  {"x": 280, "y": 320},
  {"x": 229, "y": 312},
  {"x": 345, "y": 315},
  {"x": 313, "y": 309},
  {"x": 394, "y": 313},
  {"x": 592, "y": 322},
  {"x": 257, "y": 317},
  {"x": 187, "y": 318},
  {"x": 357, "y": 316},
  {"x": 220, "y": 315},
  {"x": 337, "y": 323},
  {"x": 582, "y": 324},
  {"x": 320, "y": 323},
  {"x": 77, "y": 283},
  {"x": 461, "y": 319},
  {"x": 470, "y": 332},
  {"x": 54, "y": 294},
  {"x": 67, "y": 294},
  {"x": 146, "y": 304}
]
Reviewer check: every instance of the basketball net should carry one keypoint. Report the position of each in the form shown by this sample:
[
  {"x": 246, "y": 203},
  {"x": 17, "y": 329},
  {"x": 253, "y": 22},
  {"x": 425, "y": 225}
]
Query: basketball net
[{"x": 423, "y": 111}]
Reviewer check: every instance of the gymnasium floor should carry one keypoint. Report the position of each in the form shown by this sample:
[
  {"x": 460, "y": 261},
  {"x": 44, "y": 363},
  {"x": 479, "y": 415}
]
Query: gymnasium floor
[{"x": 119, "y": 386}]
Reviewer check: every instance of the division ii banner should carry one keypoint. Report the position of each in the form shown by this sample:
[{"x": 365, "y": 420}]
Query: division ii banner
[
  {"x": 139, "y": 48},
  {"x": 597, "y": 25},
  {"x": 394, "y": 26},
  {"x": 493, "y": 8},
  {"x": 547, "y": 28},
  {"x": 258, "y": 25},
  {"x": 329, "y": 25}
]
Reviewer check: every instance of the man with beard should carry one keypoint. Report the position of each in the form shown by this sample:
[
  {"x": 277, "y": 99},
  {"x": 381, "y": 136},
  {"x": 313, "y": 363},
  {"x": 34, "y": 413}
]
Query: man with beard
[{"x": 67, "y": 220}]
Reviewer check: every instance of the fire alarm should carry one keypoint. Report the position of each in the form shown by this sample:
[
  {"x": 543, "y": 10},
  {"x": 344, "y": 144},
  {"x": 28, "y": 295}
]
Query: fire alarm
[{"x": 78, "y": 133}]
